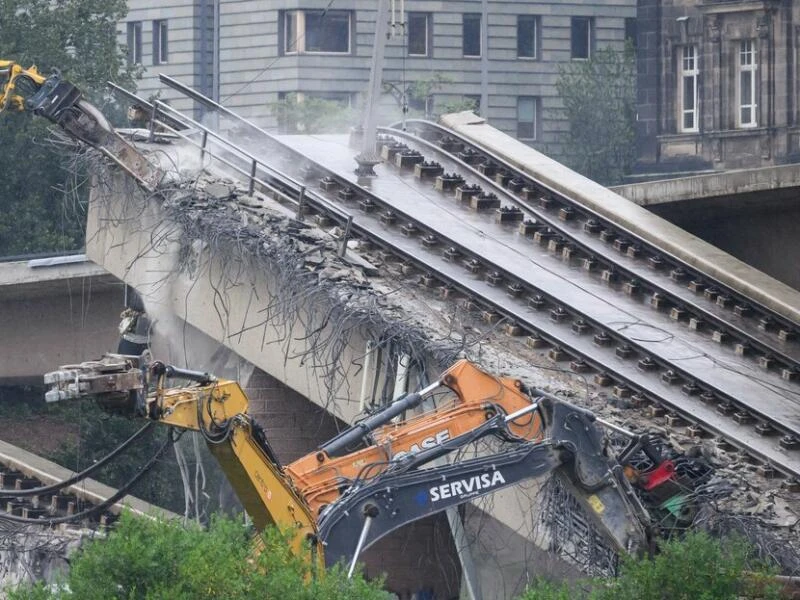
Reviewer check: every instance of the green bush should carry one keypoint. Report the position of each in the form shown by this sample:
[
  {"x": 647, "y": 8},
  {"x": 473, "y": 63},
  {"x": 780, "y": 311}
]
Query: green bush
[
  {"x": 149, "y": 560},
  {"x": 696, "y": 568}
]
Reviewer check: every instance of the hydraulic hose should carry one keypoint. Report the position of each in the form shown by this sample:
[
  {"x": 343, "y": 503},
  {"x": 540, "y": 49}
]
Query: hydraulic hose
[{"x": 6, "y": 493}]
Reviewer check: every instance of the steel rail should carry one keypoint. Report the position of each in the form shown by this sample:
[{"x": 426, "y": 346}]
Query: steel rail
[
  {"x": 632, "y": 377},
  {"x": 753, "y": 345},
  {"x": 619, "y": 231}
]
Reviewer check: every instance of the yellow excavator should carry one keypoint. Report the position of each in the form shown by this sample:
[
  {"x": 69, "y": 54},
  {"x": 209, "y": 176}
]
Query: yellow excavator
[
  {"x": 61, "y": 102},
  {"x": 543, "y": 435}
]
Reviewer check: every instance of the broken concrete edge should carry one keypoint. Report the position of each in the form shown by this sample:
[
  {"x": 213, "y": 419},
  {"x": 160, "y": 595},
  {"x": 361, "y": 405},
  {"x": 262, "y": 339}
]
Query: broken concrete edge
[
  {"x": 224, "y": 214},
  {"x": 90, "y": 490},
  {"x": 673, "y": 240}
]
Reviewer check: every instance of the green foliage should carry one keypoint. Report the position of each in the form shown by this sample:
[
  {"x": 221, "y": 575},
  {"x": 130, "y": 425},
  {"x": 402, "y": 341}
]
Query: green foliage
[
  {"x": 599, "y": 97},
  {"x": 421, "y": 93},
  {"x": 145, "y": 559},
  {"x": 458, "y": 106},
  {"x": 312, "y": 115},
  {"x": 79, "y": 38},
  {"x": 696, "y": 568}
]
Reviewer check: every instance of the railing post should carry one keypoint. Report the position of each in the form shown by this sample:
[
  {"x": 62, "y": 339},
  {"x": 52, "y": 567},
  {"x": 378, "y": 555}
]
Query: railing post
[
  {"x": 251, "y": 188},
  {"x": 152, "y": 135},
  {"x": 203, "y": 145},
  {"x": 345, "y": 236},
  {"x": 301, "y": 198}
]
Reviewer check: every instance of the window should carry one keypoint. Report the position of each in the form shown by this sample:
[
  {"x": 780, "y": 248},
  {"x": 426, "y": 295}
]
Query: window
[
  {"x": 527, "y": 107},
  {"x": 631, "y": 31},
  {"x": 135, "y": 43},
  {"x": 527, "y": 36},
  {"x": 307, "y": 31},
  {"x": 160, "y": 36},
  {"x": 746, "y": 91},
  {"x": 687, "y": 89},
  {"x": 472, "y": 35},
  {"x": 419, "y": 34},
  {"x": 581, "y": 37}
]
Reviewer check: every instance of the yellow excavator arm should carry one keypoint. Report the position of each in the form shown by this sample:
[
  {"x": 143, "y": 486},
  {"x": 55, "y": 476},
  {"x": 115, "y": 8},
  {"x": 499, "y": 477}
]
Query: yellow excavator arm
[
  {"x": 10, "y": 75},
  {"x": 218, "y": 409},
  {"x": 61, "y": 102}
]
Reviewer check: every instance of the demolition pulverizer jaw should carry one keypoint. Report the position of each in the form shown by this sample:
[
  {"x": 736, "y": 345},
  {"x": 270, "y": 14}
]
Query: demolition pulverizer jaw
[{"x": 111, "y": 378}]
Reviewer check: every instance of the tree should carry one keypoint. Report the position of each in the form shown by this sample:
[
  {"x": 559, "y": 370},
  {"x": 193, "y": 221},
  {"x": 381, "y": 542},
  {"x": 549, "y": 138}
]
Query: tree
[
  {"x": 307, "y": 114},
  {"x": 41, "y": 198},
  {"x": 599, "y": 97},
  {"x": 698, "y": 567},
  {"x": 420, "y": 95},
  {"x": 146, "y": 559}
]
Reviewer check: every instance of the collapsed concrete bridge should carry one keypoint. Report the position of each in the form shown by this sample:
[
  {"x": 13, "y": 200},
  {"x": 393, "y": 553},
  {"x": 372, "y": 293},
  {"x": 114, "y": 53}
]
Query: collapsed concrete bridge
[
  {"x": 321, "y": 325},
  {"x": 316, "y": 338}
]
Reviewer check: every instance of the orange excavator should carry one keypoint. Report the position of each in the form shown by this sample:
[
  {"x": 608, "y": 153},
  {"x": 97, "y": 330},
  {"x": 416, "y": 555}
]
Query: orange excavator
[
  {"x": 475, "y": 397},
  {"x": 359, "y": 495}
]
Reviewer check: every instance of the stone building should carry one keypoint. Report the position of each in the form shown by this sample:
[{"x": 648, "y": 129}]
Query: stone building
[
  {"x": 717, "y": 84},
  {"x": 503, "y": 55}
]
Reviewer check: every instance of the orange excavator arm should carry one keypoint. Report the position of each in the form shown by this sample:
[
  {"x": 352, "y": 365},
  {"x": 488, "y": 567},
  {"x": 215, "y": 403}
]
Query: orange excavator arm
[{"x": 474, "y": 398}]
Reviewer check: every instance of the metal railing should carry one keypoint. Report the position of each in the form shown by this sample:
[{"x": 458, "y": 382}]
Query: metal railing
[{"x": 255, "y": 171}]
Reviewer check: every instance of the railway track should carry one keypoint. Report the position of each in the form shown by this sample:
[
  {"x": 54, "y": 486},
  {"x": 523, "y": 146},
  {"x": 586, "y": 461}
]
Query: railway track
[
  {"x": 654, "y": 330},
  {"x": 23, "y": 472}
]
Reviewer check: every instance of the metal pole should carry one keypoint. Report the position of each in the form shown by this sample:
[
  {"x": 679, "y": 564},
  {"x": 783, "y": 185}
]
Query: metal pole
[
  {"x": 346, "y": 235},
  {"x": 301, "y": 198},
  {"x": 152, "y": 134},
  {"x": 251, "y": 188},
  {"x": 368, "y": 154},
  {"x": 203, "y": 145},
  {"x": 483, "y": 110},
  {"x": 361, "y": 539}
]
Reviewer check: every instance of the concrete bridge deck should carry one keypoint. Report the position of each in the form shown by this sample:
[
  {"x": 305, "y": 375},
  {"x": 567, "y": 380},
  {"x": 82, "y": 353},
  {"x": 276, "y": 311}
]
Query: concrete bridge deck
[
  {"x": 53, "y": 312},
  {"x": 764, "y": 185}
]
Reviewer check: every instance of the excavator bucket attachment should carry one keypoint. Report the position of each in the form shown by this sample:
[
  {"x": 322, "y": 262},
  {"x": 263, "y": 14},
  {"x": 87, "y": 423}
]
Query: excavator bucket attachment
[{"x": 53, "y": 98}]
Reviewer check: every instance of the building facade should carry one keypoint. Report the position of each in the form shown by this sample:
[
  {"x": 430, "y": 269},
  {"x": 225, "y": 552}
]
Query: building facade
[
  {"x": 502, "y": 55},
  {"x": 718, "y": 82}
]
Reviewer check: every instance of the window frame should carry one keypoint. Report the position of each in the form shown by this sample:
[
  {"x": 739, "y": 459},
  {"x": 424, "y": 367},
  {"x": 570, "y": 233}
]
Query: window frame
[
  {"x": 160, "y": 42},
  {"x": 299, "y": 17},
  {"x": 534, "y": 103},
  {"x": 534, "y": 21},
  {"x": 688, "y": 70},
  {"x": 135, "y": 42},
  {"x": 589, "y": 37},
  {"x": 428, "y": 34},
  {"x": 471, "y": 17},
  {"x": 747, "y": 48}
]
